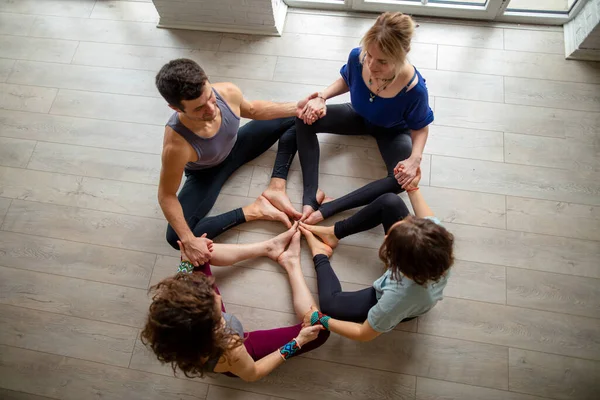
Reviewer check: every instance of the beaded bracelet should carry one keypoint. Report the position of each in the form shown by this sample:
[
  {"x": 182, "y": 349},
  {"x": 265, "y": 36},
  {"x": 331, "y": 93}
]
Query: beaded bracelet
[
  {"x": 185, "y": 267},
  {"x": 319, "y": 318},
  {"x": 289, "y": 349}
]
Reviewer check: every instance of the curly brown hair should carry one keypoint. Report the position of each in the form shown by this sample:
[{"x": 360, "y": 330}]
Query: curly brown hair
[
  {"x": 183, "y": 327},
  {"x": 419, "y": 249}
]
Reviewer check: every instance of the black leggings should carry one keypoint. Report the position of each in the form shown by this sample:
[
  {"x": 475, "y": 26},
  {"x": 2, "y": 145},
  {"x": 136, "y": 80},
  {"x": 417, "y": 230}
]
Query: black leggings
[
  {"x": 202, "y": 187},
  {"x": 387, "y": 209},
  {"x": 395, "y": 145}
]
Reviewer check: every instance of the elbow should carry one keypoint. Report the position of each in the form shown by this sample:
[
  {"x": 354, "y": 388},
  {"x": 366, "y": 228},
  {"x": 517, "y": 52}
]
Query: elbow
[{"x": 254, "y": 377}]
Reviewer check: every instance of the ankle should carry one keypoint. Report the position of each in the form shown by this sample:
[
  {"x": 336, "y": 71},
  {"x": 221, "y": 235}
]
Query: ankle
[
  {"x": 277, "y": 184},
  {"x": 251, "y": 212}
]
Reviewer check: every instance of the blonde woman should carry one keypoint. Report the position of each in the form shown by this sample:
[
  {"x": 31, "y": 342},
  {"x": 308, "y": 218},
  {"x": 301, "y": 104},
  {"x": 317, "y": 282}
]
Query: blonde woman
[{"x": 389, "y": 101}]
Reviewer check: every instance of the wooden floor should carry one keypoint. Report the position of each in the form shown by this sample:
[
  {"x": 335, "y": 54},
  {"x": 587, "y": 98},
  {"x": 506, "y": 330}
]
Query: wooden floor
[{"x": 512, "y": 168}]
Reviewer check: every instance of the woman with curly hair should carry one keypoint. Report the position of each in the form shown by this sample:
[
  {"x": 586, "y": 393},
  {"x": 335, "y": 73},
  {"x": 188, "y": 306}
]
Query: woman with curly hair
[
  {"x": 417, "y": 254},
  {"x": 187, "y": 325}
]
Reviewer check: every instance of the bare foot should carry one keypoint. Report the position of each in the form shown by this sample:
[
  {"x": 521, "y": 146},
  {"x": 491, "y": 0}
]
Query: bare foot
[
  {"x": 291, "y": 257},
  {"x": 277, "y": 245},
  {"x": 306, "y": 212},
  {"x": 322, "y": 198},
  {"x": 314, "y": 218},
  {"x": 281, "y": 201},
  {"x": 316, "y": 246},
  {"x": 326, "y": 233},
  {"x": 263, "y": 209}
]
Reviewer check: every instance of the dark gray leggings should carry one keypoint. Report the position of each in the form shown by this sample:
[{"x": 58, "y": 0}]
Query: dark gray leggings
[
  {"x": 395, "y": 145},
  {"x": 386, "y": 210}
]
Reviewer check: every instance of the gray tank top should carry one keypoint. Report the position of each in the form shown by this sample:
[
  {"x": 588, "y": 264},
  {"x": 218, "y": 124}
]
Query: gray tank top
[
  {"x": 211, "y": 151},
  {"x": 234, "y": 325}
]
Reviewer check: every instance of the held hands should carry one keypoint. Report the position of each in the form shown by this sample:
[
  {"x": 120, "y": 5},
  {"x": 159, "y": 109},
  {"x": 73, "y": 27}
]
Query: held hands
[
  {"x": 196, "y": 250},
  {"x": 311, "y": 108},
  {"x": 414, "y": 184},
  {"x": 308, "y": 334},
  {"x": 406, "y": 171}
]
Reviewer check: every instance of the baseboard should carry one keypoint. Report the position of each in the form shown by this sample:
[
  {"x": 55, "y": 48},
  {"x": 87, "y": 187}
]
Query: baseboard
[{"x": 252, "y": 30}]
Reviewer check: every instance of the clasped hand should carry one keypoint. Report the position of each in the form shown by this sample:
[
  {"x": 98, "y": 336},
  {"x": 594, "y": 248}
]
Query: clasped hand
[
  {"x": 311, "y": 108},
  {"x": 197, "y": 250}
]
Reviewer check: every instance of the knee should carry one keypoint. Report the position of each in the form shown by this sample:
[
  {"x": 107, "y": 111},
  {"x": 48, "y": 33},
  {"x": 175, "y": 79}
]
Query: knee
[
  {"x": 172, "y": 237},
  {"x": 390, "y": 200},
  {"x": 322, "y": 338}
]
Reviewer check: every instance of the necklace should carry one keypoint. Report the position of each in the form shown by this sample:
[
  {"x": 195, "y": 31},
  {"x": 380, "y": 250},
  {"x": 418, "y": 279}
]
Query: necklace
[{"x": 379, "y": 88}]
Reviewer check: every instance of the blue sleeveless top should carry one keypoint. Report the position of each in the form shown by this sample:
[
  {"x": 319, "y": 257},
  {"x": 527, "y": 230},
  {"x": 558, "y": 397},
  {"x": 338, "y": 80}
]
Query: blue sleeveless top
[
  {"x": 211, "y": 151},
  {"x": 407, "y": 110}
]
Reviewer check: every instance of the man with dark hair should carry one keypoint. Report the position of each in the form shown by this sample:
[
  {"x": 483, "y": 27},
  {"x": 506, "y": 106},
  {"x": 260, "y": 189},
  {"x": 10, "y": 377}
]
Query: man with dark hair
[{"x": 203, "y": 138}]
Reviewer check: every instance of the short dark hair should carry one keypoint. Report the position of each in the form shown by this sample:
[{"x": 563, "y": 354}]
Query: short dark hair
[
  {"x": 183, "y": 327},
  {"x": 418, "y": 248},
  {"x": 180, "y": 79}
]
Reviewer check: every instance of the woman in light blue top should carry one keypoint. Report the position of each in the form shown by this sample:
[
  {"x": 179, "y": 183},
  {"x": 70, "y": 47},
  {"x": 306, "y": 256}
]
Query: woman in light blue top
[{"x": 417, "y": 253}]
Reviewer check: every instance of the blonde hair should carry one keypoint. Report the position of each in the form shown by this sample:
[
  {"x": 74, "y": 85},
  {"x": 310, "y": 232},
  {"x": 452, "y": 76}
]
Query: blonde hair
[{"x": 392, "y": 33}]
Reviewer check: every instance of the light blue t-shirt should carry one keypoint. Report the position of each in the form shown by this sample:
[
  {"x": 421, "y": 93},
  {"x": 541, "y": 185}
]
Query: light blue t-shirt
[{"x": 397, "y": 300}]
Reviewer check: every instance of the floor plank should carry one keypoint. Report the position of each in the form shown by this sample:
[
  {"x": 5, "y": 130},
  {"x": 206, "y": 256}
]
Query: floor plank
[
  {"x": 307, "y": 71},
  {"x": 77, "y": 191},
  {"x": 569, "y": 154},
  {"x": 431, "y": 389},
  {"x": 88, "y": 226},
  {"x": 72, "y": 8},
  {"x": 80, "y": 77},
  {"x": 4, "y": 204},
  {"x": 523, "y": 119},
  {"x": 125, "y": 10},
  {"x": 76, "y": 260},
  {"x": 465, "y": 143},
  {"x": 153, "y": 58},
  {"x": 327, "y": 24},
  {"x": 73, "y": 297},
  {"x": 15, "y": 152},
  {"x": 37, "y": 49},
  {"x": 144, "y": 110},
  {"x": 221, "y": 393},
  {"x": 97, "y": 163},
  {"x": 66, "y": 336},
  {"x": 423, "y": 355},
  {"x": 517, "y": 63},
  {"x": 71, "y": 379},
  {"x": 6, "y": 66},
  {"x": 526, "y": 250},
  {"x": 121, "y": 32},
  {"x": 534, "y": 41},
  {"x": 82, "y": 131},
  {"x": 471, "y": 208},
  {"x": 458, "y": 35},
  {"x": 462, "y": 85},
  {"x": 557, "y": 377},
  {"x": 515, "y": 180},
  {"x": 553, "y": 292},
  {"x": 12, "y": 395},
  {"x": 335, "y": 48},
  {"x": 15, "y": 24},
  {"x": 515, "y": 327},
  {"x": 553, "y": 218},
  {"x": 26, "y": 98},
  {"x": 477, "y": 281},
  {"x": 567, "y": 95}
]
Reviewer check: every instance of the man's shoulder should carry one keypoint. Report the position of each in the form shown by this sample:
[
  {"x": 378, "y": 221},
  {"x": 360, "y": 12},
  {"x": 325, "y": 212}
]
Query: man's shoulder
[
  {"x": 174, "y": 145},
  {"x": 229, "y": 91}
]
